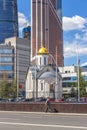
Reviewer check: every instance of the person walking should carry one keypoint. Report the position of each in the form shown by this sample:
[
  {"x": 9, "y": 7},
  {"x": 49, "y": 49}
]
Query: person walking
[{"x": 48, "y": 105}]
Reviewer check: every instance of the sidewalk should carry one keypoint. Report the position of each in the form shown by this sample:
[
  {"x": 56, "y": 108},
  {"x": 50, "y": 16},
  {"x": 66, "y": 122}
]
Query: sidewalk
[{"x": 48, "y": 113}]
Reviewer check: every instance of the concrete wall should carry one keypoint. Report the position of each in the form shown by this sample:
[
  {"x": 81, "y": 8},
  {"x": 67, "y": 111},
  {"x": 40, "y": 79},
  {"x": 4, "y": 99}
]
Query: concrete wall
[{"x": 40, "y": 107}]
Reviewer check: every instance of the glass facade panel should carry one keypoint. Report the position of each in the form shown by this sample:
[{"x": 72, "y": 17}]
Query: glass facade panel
[
  {"x": 6, "y": 67},
  {"x": 85, "y": 77},
  {"x": 66, "y": 78},
  {"x": 68, "y": 84},
  {"x": 7, "y": 75},
  {"x": 8, "y": 51},
  {"x": 59, "y": 8},
  {"x": 6, "y": 59},
  {"x": 10, "y": 75},
  {"x": 8, "y": 19},
  {"x": 73, "y": 78}
]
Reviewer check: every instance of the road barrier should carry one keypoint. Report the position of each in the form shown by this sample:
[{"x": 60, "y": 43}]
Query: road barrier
[{"x": 40, "y": 107}]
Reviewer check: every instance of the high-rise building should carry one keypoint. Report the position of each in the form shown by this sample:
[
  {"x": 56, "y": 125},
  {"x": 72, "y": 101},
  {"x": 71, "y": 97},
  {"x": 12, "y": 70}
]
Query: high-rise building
[
  {"x": 59, "y": 9},
  {"x": 26, "y": 32},
  {"x": 47, "y": 28},
  {"x": 15, "y": 61},
  {"x": 8, "y": 19}
]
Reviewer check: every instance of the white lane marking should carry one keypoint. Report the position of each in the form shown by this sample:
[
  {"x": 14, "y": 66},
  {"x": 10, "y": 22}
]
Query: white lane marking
[
  {"x": 44, "y": 125},
  {"x": 33, "y": 117},
  {"x": 9, "y": 118}
]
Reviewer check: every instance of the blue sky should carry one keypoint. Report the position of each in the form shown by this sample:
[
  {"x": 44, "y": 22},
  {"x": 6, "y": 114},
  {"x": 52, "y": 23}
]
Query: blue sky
[{"x": 74, "y": 28}]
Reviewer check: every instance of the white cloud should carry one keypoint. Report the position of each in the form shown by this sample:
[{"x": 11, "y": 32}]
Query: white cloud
[
  {"x": 77, "y": 36},
  {"x": 22, "y": 21},
  {"x": 84, "y": 64},
  {"x": 74, "y": 23},
  {"x": 82, "y": 36},
  {"x": 72, "y": 49}
]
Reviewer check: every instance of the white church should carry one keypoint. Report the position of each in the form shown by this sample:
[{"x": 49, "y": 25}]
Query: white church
[{"x": 43, "y": 79}]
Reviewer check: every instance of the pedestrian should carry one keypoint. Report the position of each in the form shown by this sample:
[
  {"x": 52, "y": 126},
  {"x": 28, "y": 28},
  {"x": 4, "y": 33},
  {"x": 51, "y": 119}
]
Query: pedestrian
[{"x": 48, "y": 105}]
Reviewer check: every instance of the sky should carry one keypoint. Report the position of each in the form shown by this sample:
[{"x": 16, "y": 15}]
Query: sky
[{"x": 74, "y": 17}]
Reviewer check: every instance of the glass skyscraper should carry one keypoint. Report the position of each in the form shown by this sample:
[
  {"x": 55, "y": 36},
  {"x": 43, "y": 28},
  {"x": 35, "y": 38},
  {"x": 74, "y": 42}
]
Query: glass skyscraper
[{"x": 8, "y": 19}]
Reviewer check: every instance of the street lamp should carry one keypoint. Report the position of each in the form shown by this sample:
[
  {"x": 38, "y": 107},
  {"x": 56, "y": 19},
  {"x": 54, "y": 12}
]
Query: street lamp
[
  {"x": 17, "y": 56},
  {"x": 78, "y": 63}
]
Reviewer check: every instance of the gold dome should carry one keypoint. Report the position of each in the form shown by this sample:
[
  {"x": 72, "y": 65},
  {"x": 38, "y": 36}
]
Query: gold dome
[{"x": 43, "y": 50}]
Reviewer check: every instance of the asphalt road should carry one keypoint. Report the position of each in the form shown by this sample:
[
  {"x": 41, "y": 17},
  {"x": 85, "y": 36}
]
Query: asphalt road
[{"x": 41, "y": 121}]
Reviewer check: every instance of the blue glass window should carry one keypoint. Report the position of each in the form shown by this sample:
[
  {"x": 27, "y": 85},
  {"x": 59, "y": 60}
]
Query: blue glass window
[
  {"x": 6, "y": 67},
  {"x": 66, "y": 78},
  {"x": 85, "y": 77},
  {"x": 6, "y": 59},
  {"x": 6, "y": 51},
  {"x": 73, "y": 78},
  {"x": 8, "y": 19},
  {"x": 10, "y": 75}
]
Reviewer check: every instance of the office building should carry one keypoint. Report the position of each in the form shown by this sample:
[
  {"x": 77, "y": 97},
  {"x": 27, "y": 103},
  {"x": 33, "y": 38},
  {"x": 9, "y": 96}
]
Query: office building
[
  {"x": 15, "y": 60},
  {"x": 69, "y": 77},
  {"x": 6, "y": 62},
  {"x": 59, "y": 9},
  {"x": 46, "y": 29},
  {"x": 26, "y": 32},
  {"x": 8, "y": 19}
]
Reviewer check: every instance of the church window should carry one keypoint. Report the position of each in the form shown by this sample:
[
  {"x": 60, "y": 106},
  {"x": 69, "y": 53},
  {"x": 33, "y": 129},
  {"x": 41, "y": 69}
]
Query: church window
[{"x": 41, "y": 86}]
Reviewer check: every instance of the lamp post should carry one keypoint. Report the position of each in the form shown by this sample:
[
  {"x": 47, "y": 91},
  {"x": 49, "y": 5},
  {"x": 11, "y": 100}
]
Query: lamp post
[
  {"x": 56, "y": 85},
  {"x": 17, "y": 73},
  {"x": 78, "y": 86},
  {"x": 56, "y": 79},
  {"x": 78, "y": 63}
]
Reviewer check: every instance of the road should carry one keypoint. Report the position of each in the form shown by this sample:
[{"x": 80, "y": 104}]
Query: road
[{"x": 41, "y": 121}]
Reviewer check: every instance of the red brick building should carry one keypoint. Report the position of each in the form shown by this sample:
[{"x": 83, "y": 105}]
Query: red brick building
[{"x": 46, "y": 29}]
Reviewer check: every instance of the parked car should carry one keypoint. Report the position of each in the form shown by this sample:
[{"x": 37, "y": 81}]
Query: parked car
[
  {"x": 60, "y": 100},
  {"x": 27, "y": 100},
  {"x": 52, "y": 99},
  {"x": 3, "y": 100},
  {"x": 71, "y": 99},
  {"x": 83, "y": 99},
  {"x": 40, "y": 99}
]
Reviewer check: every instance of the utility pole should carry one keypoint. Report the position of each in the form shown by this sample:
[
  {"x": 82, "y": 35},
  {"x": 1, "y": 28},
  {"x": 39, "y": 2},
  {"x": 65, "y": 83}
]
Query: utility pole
[{"x": 78, "y": 63}]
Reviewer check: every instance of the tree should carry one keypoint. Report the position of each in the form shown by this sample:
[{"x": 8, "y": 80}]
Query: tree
[
  {"x": 4, "y": 89},
  {"x": 82, "y": 84},
  {"x": 73, "y": 92},
  {"x": 8, "y": 90},
  {"x": 13, "y": 89}
]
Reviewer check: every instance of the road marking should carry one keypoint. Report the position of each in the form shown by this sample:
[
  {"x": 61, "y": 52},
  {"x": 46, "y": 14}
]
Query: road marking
[
  {"x": 33, "y": 117},
  {"x": 9, "y": 119},
  {"x": 44, "y": 125}
]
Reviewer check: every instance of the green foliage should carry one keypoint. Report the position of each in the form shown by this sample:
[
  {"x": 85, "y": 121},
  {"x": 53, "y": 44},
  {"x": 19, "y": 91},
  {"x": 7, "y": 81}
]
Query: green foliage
[
  {"x": 73, "y": 92},
  {"x": 14, "y": 89},
  {"x": 82, "y": 84},
  {"x": 4, "y": 89},
  {"x": 8, "y": 90},
  {"x": 71, "y": 84}
]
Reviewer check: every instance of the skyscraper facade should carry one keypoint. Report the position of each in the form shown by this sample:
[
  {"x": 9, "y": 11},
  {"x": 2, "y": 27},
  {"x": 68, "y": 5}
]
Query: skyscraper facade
[
  {"x": 46, "y": 28},
  {"x": 59, "y": 9},
  {"x": 26, "y": 32},
  {"x": 8, "y": 19}
]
